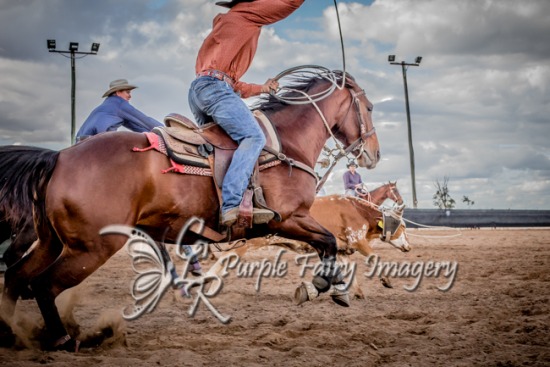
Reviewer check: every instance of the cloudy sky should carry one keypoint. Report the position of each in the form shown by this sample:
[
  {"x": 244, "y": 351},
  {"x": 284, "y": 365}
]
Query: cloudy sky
[{"x": 480, "y": 104}]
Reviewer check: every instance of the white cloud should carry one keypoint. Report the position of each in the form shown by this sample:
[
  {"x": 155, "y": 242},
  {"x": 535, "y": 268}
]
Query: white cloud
[{"x": 479, "y": 100}]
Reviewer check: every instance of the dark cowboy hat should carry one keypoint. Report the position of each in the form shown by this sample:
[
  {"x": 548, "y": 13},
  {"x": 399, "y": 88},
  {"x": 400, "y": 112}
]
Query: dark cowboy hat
[
  {"x": 352, "y": 163},
  {"x": 232, "y": 3}
]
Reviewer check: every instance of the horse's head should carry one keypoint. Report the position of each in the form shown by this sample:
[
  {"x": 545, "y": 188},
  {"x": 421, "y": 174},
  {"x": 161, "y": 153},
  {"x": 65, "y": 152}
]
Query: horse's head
[
  {"x": 345, "y": 114},
  {"x": 379, "y": 195},
  {"x": 356, "y": 129},
  {"x": 394, "y": 230},
  {"x": 393, "y": 193}
]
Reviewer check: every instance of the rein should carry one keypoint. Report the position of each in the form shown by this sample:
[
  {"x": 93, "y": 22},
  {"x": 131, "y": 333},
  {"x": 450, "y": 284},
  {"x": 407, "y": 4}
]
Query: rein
[
  {"x": 394, "y": 195},
  {"x": 305, "y": 98},
  {"x": 359, "y": 142}
]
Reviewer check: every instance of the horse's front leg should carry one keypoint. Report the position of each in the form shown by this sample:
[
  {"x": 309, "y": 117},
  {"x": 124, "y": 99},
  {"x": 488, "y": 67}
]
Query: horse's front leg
[{"x": 305, "y": 228}]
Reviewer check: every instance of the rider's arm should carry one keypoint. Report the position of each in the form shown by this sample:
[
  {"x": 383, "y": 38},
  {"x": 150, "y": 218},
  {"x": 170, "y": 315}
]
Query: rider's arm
[
  {"x": 242, "y": 25},
  {"x": 136, "y": 120}
]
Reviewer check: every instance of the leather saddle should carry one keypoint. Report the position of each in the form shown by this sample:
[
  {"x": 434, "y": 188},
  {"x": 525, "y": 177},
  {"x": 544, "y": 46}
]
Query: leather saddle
[
  {"x": 209, "y": 146},
  {"x": 208, "y": 150}
]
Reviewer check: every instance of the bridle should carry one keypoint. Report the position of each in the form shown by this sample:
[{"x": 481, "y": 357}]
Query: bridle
[
  {"x": 394, "y": 195},
  {"x": 305, "y": 98},
  {"x": 365, "y": 133}
]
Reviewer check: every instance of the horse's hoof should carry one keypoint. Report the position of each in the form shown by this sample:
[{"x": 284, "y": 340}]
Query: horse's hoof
[
  {"x": 97, "y": 338},
  {"x": 305, "y": 292},
  {"x": 67, "y": 344},
  {"x": 341, "y": 300},
  {"x": 340, "y": 295},
  {"x": 386, "y": 282},
  {"x": 322, "y": 284}
]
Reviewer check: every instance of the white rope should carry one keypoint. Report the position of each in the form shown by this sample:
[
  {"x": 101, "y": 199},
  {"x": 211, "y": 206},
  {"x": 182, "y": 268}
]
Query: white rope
[
  {"x": 432, "y": 227},
  {"x": 316, "y": 71},
  {"x": 380, "y": 208},
  {"x": 434, "y": 236}
]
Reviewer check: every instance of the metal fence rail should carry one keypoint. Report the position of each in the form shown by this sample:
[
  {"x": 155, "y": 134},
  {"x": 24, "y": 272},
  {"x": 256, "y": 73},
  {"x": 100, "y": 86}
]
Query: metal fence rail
[{"x": 468, "y": 218}]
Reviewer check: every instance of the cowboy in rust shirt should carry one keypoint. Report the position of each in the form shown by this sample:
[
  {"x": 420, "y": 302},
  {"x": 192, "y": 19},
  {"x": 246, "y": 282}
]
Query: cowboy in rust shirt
[{"x": 223, "y": 58}]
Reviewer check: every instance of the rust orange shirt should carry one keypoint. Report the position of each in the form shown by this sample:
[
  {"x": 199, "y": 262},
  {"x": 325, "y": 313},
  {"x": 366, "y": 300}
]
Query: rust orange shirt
[{"x": 232, "y": 43}]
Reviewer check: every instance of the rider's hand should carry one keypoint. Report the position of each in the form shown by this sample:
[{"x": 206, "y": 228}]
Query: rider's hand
[{"x": 270, "y": 85}]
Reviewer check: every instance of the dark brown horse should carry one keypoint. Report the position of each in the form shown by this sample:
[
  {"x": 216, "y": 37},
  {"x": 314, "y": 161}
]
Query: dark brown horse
[{"x": 80, "y": 190}]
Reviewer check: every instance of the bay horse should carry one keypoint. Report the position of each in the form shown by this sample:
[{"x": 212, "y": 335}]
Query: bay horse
[
  {"x": 19, "y": 226},
  {"x": 80, "y": 190}
]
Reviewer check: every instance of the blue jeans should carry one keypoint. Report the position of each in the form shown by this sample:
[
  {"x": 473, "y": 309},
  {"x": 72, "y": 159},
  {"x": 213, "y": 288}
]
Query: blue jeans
[{"x": 214, "y": 98}]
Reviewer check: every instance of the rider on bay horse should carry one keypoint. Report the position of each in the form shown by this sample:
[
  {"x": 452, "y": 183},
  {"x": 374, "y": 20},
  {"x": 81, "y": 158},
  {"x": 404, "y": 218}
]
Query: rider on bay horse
[{"x": 225, "y": 55}]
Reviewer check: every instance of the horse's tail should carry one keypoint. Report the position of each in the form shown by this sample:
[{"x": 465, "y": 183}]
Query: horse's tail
[{"x": 24, "y": 176}]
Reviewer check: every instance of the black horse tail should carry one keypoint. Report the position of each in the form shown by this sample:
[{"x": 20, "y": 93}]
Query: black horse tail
[{"x": 24, "y": 176}]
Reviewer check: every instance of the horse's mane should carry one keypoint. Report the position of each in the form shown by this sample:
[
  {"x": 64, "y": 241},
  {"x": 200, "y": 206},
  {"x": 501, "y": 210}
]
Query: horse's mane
[{"x": 297, "y": 84}]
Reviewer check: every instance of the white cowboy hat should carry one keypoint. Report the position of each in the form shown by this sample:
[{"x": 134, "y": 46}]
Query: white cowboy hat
[{"x": 116, "y": 85}]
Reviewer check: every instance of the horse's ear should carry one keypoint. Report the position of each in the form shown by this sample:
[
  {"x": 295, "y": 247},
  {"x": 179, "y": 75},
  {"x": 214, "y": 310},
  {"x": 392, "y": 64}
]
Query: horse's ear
[
  {"x": 399, "y": 210},
  {"x": 350, "y": 80}
]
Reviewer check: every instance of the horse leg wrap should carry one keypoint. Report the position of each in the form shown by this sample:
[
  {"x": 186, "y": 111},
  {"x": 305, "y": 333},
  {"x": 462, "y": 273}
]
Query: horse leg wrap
[{"x": 330, "y": 273}]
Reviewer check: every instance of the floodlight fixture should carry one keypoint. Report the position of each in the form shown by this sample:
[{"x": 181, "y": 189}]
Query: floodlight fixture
[
  {"x": 73, "y": 53},
  {"x": 404, "y": 66}
]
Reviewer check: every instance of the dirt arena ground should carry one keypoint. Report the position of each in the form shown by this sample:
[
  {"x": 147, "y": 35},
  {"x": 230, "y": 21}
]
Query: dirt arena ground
[{"x": 497, "y": 312}]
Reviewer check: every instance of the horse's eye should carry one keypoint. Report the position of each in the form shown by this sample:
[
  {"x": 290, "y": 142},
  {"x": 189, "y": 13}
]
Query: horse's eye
[{"x": 370, "y": 108}]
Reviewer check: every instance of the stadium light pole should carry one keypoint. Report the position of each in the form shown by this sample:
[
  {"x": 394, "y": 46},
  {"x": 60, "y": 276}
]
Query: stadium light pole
[
  {"x": 73, "y": 51},
  {"x": 404, "y": 67}
]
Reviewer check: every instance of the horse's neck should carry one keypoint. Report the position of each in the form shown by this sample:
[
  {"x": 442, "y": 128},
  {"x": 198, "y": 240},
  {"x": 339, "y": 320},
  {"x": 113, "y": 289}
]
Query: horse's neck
[
  {"x": 380, "y": 194},
  {"x": 302, "y": 139}
]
